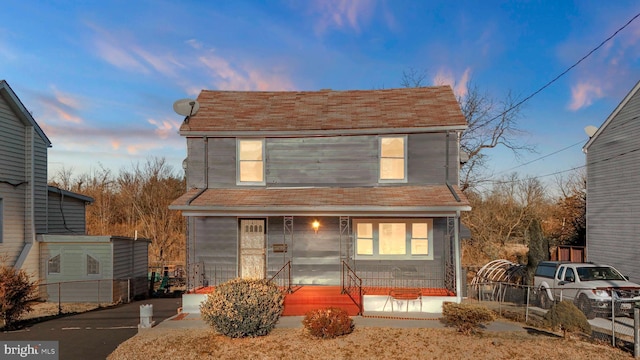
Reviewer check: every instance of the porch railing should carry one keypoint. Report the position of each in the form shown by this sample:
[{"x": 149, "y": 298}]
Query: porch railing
[
  {"x": 283, "y": 277},
  {"x": 352, "y": 285}
]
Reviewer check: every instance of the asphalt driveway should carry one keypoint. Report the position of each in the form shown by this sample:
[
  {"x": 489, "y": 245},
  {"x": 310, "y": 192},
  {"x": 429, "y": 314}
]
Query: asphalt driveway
[{"x": 95, "y": 334}]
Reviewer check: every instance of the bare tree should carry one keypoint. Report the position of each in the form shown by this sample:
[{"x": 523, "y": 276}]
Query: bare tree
[
  {"x": 491, "y": 124},
  {"x": 568, "y": 221}
]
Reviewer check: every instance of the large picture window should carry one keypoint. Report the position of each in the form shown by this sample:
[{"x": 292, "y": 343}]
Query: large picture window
[
  {"x": 393, "y": 159},
  {"x": 250, "y": 162},
  {"x": 394, "y": 238}
]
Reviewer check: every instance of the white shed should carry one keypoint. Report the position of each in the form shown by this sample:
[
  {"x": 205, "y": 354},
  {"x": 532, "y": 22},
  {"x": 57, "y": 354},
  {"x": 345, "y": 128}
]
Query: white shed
[{"x": 83, "y": 268}]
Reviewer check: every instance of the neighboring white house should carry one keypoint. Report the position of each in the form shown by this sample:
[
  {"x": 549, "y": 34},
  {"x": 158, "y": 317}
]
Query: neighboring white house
[
  {"x": 613, "y": 196},
  {"x": 42, "y": 225}
]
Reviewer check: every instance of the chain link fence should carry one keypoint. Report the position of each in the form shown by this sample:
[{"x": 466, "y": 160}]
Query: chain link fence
[
  {"x": 102, "y": 292},
  {"x": 611, "y": 318}
]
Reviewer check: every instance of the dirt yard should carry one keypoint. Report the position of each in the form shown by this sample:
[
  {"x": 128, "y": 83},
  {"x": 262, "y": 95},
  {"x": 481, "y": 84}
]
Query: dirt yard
[{"x": 363, "y": 343}]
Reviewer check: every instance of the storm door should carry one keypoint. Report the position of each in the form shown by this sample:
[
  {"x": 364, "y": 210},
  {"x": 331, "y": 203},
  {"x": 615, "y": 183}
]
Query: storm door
[{"x": 252, "y": 248}]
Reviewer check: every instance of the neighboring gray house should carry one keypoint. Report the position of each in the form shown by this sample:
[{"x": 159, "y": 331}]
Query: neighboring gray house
[
  {"x": 39, "y": 222},
  {"x": 613, "y": 196},
  {"x": 330, "y": 183}
]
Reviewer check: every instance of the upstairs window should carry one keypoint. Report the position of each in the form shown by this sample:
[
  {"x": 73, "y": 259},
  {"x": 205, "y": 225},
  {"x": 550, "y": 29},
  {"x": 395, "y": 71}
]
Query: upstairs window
[
  {"x": 250, "y": 169},
  {"x": 393, "y": 162},
  {"x": 93, "y": 265}
]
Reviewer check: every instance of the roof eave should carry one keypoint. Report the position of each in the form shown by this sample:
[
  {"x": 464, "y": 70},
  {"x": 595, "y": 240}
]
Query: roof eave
[
  {"x": 335, "y": 132},
  {"x": 189, "y": 210}
]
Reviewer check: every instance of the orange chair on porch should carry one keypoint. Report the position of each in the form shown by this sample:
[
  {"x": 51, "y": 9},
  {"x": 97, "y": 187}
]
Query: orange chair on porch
[{"x": 405, "y": 294}]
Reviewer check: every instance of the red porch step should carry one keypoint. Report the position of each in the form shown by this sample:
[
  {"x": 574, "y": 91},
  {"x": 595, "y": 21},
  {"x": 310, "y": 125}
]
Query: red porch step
[{"x": 307, "y": 298}]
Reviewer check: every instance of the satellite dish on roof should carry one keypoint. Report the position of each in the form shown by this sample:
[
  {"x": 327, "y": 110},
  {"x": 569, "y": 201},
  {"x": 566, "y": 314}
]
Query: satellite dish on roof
[
  {"x": 186, "y": 107},
  {"x": 590, "y": 130}
]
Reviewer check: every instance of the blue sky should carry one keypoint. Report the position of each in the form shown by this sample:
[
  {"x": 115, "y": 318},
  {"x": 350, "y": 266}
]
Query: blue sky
[{"x": 101, "y": 77}]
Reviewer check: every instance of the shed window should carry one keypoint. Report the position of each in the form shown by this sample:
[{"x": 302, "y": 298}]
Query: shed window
[
  {"x": 393, "y": 238},
  {"x": 93, "y": 265},
  {"x": 250, "y": 162},
  {"x": 53, "y": 265},
  {"x": 393, "y": 159}
]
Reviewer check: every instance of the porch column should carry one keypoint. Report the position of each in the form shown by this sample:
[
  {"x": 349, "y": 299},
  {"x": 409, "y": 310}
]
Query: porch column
[{"x": 456, "y": 249}]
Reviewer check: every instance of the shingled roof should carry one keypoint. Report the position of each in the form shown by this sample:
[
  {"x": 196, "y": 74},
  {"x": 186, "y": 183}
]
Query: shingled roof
[
  {"x": 300, "y": 200},
  {"x": 326, "y": 110}
]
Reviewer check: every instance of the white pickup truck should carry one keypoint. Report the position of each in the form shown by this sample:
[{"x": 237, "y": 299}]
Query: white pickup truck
[{"x": 590, "y": 286}]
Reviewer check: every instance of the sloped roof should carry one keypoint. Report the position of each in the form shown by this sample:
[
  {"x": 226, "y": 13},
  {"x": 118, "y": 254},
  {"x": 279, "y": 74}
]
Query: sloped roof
[
  {"x": 325, "y": 111},
  {"x": 21, "y": 111},
  {"x": 613, "y": 114},
  {"x": 418, "y": 199}
]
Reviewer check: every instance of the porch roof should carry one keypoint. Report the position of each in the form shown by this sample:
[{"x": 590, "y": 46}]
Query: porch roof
[{"x": 387, "y": 199}]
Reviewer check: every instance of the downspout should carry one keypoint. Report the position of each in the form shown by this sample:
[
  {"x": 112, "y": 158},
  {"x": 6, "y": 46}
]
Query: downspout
[{"x": 29, "y": 211}]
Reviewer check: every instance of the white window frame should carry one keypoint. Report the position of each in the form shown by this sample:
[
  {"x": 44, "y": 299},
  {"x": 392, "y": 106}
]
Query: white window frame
[
  {"x": 238, "y": 162},
  {"x": 404, "y": 158},
  {"x": 86, "y": 265},
  {"x": 408, "y": 238},
  {"x": 50, "y": 259}
]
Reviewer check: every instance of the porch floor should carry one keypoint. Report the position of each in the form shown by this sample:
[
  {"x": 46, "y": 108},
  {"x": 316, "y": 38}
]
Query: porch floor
[{"x": 305, "y": 298}]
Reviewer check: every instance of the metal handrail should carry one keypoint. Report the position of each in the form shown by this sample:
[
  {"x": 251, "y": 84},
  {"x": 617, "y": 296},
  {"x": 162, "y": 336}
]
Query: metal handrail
[
  {"x": 286, "y": 268},
  {"x": 352, "y": 285}
]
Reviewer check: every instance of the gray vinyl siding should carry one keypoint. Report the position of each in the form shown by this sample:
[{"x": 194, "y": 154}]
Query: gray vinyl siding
[
  {"x": 195, "y": 163},
  {"x": 13, "y": 221},
  {"x": 130, "y": 268},
  {"x": 66, "y": 215},
  {"x": 216, "y": 247},
  {"x": 12, "y": 146},
  {"x": 613, "y": 198},
  {"x": 40, "y": 185},
  {"x": 222, "y": 162},
  {"x": 323, "y": 161},
  {"x": 315, "y": 258}
]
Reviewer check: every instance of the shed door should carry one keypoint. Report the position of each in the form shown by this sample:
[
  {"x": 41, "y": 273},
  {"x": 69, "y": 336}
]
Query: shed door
[{"x": 252, "y": 248}]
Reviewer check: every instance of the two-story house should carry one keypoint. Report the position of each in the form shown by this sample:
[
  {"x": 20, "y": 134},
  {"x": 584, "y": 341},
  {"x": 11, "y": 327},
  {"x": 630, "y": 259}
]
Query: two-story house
[{"x": 331, "y": 188}]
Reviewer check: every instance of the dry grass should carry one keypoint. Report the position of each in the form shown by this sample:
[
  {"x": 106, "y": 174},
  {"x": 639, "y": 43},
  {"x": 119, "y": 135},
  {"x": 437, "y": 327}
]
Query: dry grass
[
  {"x": 44, "y": 310},
  {"x": 363, "y": 343}
]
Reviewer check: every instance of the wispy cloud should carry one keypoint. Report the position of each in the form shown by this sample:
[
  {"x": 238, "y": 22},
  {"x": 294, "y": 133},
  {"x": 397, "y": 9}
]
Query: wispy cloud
[
  {"x": 342, "y": 14},
  {"x": 583, "y": 94},
  {"x": 227, "y": 76},
  {"x": 446, "y": 77},
  {"x": 61, "y": 107}
]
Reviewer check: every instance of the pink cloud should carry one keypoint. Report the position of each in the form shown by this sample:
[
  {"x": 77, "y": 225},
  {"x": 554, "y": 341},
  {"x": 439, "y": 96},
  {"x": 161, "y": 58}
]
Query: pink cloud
[
  {"x": 61, "y": 107},
  {"x": 446, "y": 77},
  {"x": 243, "y": 77},
  {"x": 165, "y": 128},
  {"x": 342, "y": 13},
  {"x": 583, "y": 94}
]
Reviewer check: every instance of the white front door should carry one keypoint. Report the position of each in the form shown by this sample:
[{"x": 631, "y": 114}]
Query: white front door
[{"x": 252, "y": 249}]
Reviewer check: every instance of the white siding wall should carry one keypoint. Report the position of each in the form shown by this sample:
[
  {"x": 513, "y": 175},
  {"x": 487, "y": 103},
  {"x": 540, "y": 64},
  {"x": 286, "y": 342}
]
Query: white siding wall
[
  {"x": 613, "y": 196},
  {"x": 12, "y": 170}
]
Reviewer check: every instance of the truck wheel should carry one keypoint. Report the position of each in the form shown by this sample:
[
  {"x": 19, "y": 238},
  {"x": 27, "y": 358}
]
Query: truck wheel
[
  {"x": 544, "y": 300},
  {"x": 585, "y": 306}
]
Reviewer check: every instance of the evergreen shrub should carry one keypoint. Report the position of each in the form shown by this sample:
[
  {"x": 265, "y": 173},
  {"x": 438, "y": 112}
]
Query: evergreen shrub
[{"x": 243, "y": 308}]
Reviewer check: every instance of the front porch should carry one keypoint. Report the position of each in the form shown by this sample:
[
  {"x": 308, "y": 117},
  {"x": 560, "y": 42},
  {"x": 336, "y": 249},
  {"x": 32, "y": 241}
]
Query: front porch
[{"x": 373, "y": 301}]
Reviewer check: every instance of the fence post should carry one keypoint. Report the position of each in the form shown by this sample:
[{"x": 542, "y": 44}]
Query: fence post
[
  {"x": 98, "y": 293},
  {"x": 59, "y": 299},
  {"x": 636, "y": 332},
  {"x": 526, "y": 312},
  {"x": 613, "y": 320}
]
